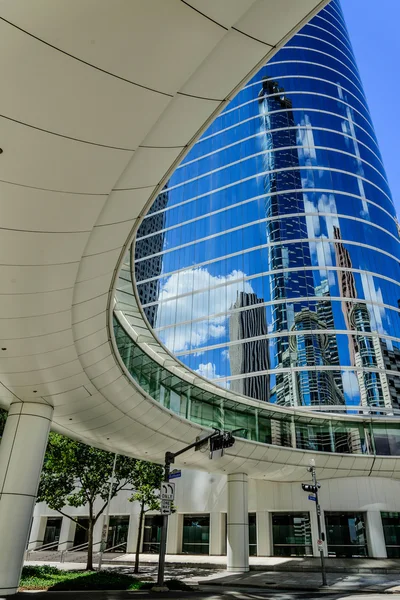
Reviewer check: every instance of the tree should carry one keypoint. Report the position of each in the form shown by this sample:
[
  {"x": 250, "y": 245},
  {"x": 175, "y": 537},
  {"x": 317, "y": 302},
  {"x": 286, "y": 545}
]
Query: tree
[
  {"x": 147, "y": 478},
  {"x": 3, "y": 417},
  {"x": 75, "y": 474}
]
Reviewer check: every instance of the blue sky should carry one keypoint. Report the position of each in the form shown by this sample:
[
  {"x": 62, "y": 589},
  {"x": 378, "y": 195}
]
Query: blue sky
[{"x": 373, "y": 28}]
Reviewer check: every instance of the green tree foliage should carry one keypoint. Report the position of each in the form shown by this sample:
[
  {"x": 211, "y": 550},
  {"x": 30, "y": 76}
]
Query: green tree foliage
[
  {"x": 3, "y": 417},
  {"x": 147, "y": 478},
  {"x": 75, "y": 474}
]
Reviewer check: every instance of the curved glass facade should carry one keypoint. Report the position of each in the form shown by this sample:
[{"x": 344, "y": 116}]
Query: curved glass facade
[{"x": 270, "y": 262}]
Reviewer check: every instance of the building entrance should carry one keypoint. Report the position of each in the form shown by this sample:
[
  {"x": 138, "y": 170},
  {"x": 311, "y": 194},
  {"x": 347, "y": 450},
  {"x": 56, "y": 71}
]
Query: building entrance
[
  {"x": 52, "y": 531},
  {"x": 196, "y": 534},
  {"x": 118, "y": 533},
  {"x": 152, "y": 534},
  {"x": 291, "y": 534},
  {"x": 346, "y": 535}
]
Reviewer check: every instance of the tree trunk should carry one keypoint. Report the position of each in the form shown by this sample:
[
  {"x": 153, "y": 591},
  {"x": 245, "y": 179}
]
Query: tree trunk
[
  {"x": 89, "y": 564},
  {"x": 139, "y": 539}
]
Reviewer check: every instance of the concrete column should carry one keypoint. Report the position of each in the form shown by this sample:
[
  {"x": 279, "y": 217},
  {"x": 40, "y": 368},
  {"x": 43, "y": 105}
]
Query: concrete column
[
  {"x": 375, "y": 536},
  {"x": 216, "y": 533},
  {"x": 263, "y": 534},
  {"x": 37, "y": 532},
  {"x": 133, "y": 532},
  {"x": 174, "y": 537},
  {"x": 97, "y": 533},
  {"x": 67, "y": 534},
  {"x": 21, "y": 457},
  {"x": 238, "y": 523}
]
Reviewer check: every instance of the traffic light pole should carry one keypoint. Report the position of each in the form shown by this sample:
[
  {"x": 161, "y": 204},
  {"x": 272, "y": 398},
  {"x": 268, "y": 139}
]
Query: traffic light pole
[
  {"x": 169, "y": 460},
  {"x": 321, "y": 535}
]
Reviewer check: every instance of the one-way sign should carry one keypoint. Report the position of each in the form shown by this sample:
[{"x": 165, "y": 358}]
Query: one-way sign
[{"x": 167, "y": 491}]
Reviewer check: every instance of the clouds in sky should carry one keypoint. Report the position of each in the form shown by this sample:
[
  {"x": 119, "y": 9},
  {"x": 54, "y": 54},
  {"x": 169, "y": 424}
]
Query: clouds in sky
[{"x": 179, "y": 303}]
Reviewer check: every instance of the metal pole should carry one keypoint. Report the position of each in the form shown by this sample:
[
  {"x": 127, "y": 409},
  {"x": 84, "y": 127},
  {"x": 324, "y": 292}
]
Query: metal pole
[
  {"x": 320, "y": 534},
  {"x": 164, "y": 531},
  {"x": 106, "y": 516}
]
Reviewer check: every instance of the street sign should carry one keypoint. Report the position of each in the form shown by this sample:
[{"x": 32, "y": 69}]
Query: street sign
[
  {"x": 167, "y": 491},
  {"x": 175, "y": 474},
  {"x": 320, "y": 543},
  {"x": 165, "y": 507},
  {"x": 311, "y": 497}
]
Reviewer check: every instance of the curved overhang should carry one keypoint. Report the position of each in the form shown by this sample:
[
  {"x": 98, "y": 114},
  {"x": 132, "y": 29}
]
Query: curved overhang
[{"x": 99, "y": 105}]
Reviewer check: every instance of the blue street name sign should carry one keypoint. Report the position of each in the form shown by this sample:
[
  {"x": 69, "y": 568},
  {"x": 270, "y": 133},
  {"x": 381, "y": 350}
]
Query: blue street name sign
[
  {"x": 311, "y": 497},
  {"x": 175, "y": 474}
]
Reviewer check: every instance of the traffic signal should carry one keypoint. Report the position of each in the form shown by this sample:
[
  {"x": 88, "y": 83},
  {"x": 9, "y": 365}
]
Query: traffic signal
[
  {"x": 312, "y": 489},
  {"x": 222, "y": 440}
]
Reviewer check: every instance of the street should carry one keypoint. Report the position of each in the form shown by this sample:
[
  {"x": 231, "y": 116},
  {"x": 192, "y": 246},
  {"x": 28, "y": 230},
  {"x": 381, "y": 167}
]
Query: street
[{"x": 206, "y": 594}]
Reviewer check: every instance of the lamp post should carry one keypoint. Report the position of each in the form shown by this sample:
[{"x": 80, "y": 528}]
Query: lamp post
[{"x": 321, "y": 535}]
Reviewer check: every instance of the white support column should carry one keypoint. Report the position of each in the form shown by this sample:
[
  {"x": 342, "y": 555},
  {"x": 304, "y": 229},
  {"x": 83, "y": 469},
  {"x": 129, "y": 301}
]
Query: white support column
[
  {"x": 375, "y": 535},
  {"x": 67, "y": 534},
  {"x": 216, "y": 533},
  {"x": 37, "y": 532},
  {"x": 133, "y": 531},
  {"x": 21, "y": 457},
  {"x": 238, "y": 523},
  {"x": 263, "y": 534},
  {"x": 174, "y": 544}
]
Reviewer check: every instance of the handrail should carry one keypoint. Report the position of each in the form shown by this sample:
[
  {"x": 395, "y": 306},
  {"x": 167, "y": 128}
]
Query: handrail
[
  {"x": 78, "y": 548},
  {"x": 45, "y": 547},
  {"x": 113, "y": 547}
]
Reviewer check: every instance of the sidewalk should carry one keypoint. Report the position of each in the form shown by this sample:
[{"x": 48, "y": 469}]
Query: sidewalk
[
  {"x": 295, "y": 574},
  {"x": 257, "y": 563}
]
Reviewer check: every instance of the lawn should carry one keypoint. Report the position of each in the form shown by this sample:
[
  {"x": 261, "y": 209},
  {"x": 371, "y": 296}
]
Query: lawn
[{"x": 44, "y": 577}]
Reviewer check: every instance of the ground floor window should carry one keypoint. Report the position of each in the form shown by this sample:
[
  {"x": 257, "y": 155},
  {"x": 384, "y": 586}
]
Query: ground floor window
[
  {"x": 345, "y": 533},
  {"x": 53, "y": 530},
  {"x": 291, "y": 533},
  {"x": 196, "y": 534},
  {"x": 391, "y": 530},
  {"x": 152, "y": 534},
  {"x": 81, "y": 531},
  {"x": 117, "y": 537},
  {"x": 252, "y": 534}
]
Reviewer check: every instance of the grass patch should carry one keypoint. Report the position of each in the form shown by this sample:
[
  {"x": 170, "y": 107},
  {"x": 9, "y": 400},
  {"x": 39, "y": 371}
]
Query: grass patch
[{"x": 44, "y": 577}]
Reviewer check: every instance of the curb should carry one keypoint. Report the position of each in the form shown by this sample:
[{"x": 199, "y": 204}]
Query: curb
[{"x": 303, "y": 588}]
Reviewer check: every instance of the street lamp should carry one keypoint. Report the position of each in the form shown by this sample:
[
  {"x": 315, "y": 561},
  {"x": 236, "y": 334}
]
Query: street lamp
[{"x": 313, "y": 489}]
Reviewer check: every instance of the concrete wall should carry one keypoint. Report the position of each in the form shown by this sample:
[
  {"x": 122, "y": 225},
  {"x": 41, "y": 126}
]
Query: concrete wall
[{"x": 200, "y": 492}]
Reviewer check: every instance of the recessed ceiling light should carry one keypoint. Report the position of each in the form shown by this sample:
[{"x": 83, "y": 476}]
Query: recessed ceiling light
[
  {"x": 1, "y": 150},
  {"x": 35, "y": 391},
  {"x": 4, "y": 348}
]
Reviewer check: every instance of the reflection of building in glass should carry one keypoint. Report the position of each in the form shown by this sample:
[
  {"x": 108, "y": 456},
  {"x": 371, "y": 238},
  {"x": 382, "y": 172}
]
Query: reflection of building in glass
[
  {"x": 365, "y": 350},
  {"x": 315, "y": 387},
  {"x": 284, "y": 197},
  {"x": 149, "y": 242},
  {"x": 252, "y": 356},
  {"x": 286, "y": 229}
]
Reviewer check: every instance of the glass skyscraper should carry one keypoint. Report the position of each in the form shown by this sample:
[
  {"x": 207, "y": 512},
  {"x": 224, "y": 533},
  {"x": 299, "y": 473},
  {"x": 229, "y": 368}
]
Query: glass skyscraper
[{"x": 271, "y": 262}]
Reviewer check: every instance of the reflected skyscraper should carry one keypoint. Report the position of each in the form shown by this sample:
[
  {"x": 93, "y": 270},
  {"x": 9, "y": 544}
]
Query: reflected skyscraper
[
  {"x": 365, "y": 350},
  {"x": 252, "y": 356},
  {"x": 150, "y": 244},
  {"x": 283, "y": 202}
]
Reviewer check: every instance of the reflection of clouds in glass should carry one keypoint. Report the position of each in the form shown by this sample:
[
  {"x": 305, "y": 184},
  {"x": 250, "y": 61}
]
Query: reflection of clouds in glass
[
  {"x": 321, "y": 256},
  {"x": 375, "y": 295},
  {"x": 305, "y": 139},
  {"x": 188, "y": 307},
  {"x": 207, "y": 370},
  {"x": 225, "y": 354},
  {"x": 350, "y": 387}
]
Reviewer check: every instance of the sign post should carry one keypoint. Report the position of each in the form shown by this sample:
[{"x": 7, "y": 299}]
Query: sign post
[
  {"x": 218, "y": 440},
  {"x": 314, "y": 497}
]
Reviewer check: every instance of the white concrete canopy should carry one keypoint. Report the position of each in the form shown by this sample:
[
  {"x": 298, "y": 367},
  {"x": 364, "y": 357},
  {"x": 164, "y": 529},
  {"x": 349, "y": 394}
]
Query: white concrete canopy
[{"x": 99, "y": 103}]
